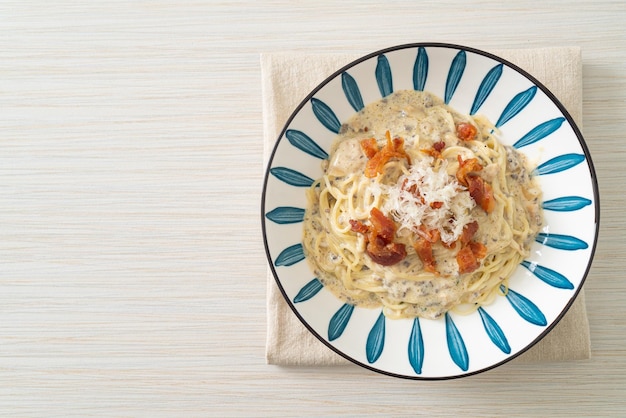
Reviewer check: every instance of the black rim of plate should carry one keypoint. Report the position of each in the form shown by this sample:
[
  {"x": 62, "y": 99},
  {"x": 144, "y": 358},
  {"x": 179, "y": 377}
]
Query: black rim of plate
[{"x": 539, "y": 85}]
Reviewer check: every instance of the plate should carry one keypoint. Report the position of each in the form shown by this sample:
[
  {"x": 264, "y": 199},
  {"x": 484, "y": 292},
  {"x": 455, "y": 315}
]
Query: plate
[{"x": 543, "y": 286}]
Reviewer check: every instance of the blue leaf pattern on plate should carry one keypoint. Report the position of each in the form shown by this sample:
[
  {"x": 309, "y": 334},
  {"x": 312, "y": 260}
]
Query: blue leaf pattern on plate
[
  {"x": 549, "y": 276},
  {"x": 561, "y": 242},
  {"x": 456, "y": 346},
  {"x": 539, "y": 132},
  {"x": 487, "y": 85},
  {"x": 454, "y": 75},
  {"x": 290, "y": 256},
  {"x": 352, "y": 92},
  {"x": 516, "y": 105},
  {"x": 291, "y": 177},
  {"x": 304, "y": 143},
  {"x": 339, "y": 321},
  {"x": 494, "y": 332},
  {"x": 285, "y": 215},
  {"x": 416, "y": 347},
  {"x": 376, "y": 340},
  {"x": 566, "y": 203},
  {"x": 420, "y": 69},
  {"x": 558, "y": 164},
  {"x": 525, "y": 308},
  {"x": 383, "y": 76},
  {"x": 308, "y": 291},
  {"x": 325, "y": 115}
]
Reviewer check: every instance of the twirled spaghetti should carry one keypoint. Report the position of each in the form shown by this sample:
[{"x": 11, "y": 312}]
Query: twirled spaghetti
[{"x": 420, "y": 209}]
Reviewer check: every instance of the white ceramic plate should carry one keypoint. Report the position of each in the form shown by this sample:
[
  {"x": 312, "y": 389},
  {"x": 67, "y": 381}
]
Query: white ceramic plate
[{"x": 541, "y": 289}]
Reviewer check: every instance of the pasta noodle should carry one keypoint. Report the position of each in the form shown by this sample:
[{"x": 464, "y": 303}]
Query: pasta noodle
[{"x": 420, "y": 209}]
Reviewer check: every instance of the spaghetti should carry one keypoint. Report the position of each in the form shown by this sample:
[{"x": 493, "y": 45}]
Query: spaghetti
[{"x": 420, "y": 209}]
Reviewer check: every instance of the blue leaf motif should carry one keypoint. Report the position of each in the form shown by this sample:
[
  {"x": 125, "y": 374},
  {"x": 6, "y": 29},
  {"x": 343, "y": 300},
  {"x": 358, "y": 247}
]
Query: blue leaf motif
[
  {"x": 454, "y": 75},
  {"x": 561, "y": 242},
  {"x": 304, "y": 143},
  {"x": 290, "y": 256},
  {"x": 539, "y": 132},
  {"x": 291, "y": 177},
  {"x": 308, "y": 291},
  {"x": 456, "y": 346},
  {"x": 325, "y": 115},
  {"x": 383, "y": 76},
  {"x": 376, "y": 340},
  {"x": 339, "y": 321},
  {"x": 285, "y": 215},
  {"x": 516, "y": 105},
  {"x": 494, "y": 332},
  {"x": 352, "y": 92},
  {"x": 486, "y": 86},
  {"x": 525, "y": 308},
  {"x": 416, "y": 347},
  {"x": 549, "y": 276},
  {"x": 566, "y": 203},
  {"x": 558, "y": 164},
  {"x": 420, "y": 69}
]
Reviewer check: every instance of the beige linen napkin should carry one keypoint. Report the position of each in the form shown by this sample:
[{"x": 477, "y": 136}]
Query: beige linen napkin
[{"x": 288, "y": 78}]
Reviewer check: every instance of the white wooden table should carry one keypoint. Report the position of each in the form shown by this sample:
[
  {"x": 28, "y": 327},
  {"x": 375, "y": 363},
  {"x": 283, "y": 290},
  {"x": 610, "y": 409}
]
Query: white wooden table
[{"x": 132, "y": 271}]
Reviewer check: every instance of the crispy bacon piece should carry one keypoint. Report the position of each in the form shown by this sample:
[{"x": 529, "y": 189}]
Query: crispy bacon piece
[
  {"x": 398, "y": 147},
  {"x": 479, "y": 189},
  {"x": 424, "y": 250},
  {"x": 379, "y": 237},
  {"x": 467, "y": 168},
  {"x": 393, "y": 149},
  {"x": 435, "y": 150},
  {"x": 439, "y": 146},
  {"x": 468, "y": 233},
  {"x": 385, "y": 254},
  {"x": 358, "y": 226},
  {"x": 467, "y": 260},
  {"x": 466, "y": 131},
  {"x": 469, "y": 257},
  {"x": 382, "y": 226},
  {"x": 369, "y": 147},
  {"x": 479, "y": 250},
  {"x": 482, "y": 193}
]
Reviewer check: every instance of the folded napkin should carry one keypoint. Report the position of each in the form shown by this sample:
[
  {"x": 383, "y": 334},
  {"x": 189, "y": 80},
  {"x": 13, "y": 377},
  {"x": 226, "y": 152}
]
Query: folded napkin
[{"x": 288, "y": 77}]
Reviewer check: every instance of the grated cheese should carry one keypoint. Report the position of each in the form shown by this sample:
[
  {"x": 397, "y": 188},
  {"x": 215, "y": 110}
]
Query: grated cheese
[{"x": 410, "y": 211}]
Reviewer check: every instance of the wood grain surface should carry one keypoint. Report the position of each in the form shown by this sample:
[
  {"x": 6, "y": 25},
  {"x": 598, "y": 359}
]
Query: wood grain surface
[{"x": 132, "y": 271}]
